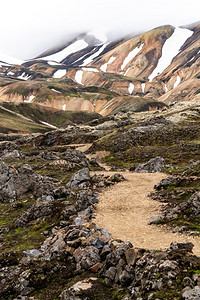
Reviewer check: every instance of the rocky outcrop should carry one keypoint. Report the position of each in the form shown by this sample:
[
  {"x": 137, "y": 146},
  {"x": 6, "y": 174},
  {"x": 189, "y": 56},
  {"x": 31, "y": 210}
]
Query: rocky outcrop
[
  {"x": 73, "y": 252},
  {"x": 156, "y": 164},
  {"x": 18, "y": 182},
  {"x": 79, "y": 178},
  {"x": 181, "y": 202}
]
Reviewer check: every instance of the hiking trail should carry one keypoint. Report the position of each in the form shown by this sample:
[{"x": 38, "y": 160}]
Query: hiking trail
[{"x": 125, "y": 209}]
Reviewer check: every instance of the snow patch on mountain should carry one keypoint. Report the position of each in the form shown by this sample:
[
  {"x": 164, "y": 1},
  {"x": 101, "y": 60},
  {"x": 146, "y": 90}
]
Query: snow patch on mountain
[
  {"x": 10, "y": 60},
  {"x": 60, "y": 73},
  {"x": 126, "y": 71},
  {"x": 4, "y": 65},
  {"x": 78, "y": 76},
  {"x": 170, "y": 49},
  {"x": 53, "y": 63},
  {"x": 50, "y": 125},
  {"x": 24, "y": 76},
  {"x": 178, "y": 80},
  {"x": 30, "y": 99},
  {"x": 93, "y": 56},
  {"x": 131, "y": 88},
  {"x": 64, "y": 107},
  {"x": 61, "y": 55},
  {"x": 90, "y": 70},
  {"x": 143, "y": 87},
  {"x": 131, "y": 55},
  {"x": 104, "y": 66},
  {"x": 56, "y": 91},
  {"x": 10, "y": 73}
]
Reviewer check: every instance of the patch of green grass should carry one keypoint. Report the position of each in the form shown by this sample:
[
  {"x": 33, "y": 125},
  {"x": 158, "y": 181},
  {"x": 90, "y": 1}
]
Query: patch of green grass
[
  {"x": 118, "y": 77},
  {"x": 18, "y": 239},
  {"x": 119, "y": 293},
  {"x": 12, "y": 122},
  {"x": 55, "y": 117}
]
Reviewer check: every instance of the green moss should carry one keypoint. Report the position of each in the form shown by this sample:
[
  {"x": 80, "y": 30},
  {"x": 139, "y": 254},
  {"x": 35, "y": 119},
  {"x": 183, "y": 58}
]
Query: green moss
[
  {"x": 117, "y": 77},
  {"x": 19, "y": 239},
  {"x": 53, "y": 116},
  {"x": 118, "y": 294},
  {"x": 176, "y": 144},
  {"x": 12, "y": 122}
]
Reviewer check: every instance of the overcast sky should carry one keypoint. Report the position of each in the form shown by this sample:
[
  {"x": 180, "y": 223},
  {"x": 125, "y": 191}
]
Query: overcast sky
[{"x": 29, "y": 27}]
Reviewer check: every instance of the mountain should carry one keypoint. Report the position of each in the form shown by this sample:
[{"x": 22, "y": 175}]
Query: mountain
[
  {"x": 78, "y": 51},
  {"x": 100, "y": 169},
  {"x": 9, "y": 60},
  {"x": 161, "y": 65}
]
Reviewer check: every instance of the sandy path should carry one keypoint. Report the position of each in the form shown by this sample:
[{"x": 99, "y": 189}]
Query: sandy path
[{"x": 125, "y": 209}]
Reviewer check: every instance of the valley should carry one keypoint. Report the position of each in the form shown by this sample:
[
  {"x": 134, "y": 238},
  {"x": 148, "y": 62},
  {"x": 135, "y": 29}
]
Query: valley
[{"x": 100, "y": 169}]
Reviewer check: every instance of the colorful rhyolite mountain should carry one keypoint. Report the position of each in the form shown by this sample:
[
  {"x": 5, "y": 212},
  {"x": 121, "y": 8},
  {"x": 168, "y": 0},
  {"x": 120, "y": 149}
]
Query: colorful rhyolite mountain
[{"x": 94, "y": 74}]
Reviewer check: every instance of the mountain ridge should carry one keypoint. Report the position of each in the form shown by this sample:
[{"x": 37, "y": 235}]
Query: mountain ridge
[{"x": 130, "y": 66}]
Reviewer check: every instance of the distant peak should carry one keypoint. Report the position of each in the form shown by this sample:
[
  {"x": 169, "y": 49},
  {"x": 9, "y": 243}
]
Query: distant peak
[
  {"x": 99, "y": 35},
  {"x": 192, "y": 26}
]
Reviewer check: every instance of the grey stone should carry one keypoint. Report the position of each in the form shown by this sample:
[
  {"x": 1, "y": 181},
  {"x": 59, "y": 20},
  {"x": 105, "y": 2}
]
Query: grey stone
[
  {"x": 194, "y": 202},
  {"x": 87, "y": 257},
  {"x": 32, "y": 253},
  {"x": 156, "y": 164},
  {"x": 191, "y": 293},
  {"x": 170, "y": 180},
  {"x": 14, "y": 183},
  {"x": 131, "y": 255},
  {"x": 117, "y": 177},
  {"x": 155, "y": 219},
  {"x": 183, "y": 247},
  {"x": 110, "y": 273},
  {"x": 78, "y": 289},
  {"x": 79, "y": 178}
]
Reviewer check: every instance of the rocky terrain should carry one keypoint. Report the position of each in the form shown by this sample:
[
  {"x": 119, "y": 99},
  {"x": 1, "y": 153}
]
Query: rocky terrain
[
  {"x": 51, "y": 247},
  {"x": 80, "y": 125}
]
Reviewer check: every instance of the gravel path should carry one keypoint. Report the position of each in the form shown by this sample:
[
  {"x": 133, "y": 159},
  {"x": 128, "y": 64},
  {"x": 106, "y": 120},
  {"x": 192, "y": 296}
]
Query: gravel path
[{"x": 125, "y": 209}]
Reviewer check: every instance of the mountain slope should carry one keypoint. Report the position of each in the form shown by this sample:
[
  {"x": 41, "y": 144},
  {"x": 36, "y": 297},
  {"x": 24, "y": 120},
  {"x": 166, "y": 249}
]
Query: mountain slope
[
  {"x": 11, "y": 122},
  {"x": 160, "y": 65}
]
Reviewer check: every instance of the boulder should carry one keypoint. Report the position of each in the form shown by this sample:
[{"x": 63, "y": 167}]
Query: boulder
[
  {"x": 14, "y": 183},
  {"x": 87, "y": 257},
  {"x": 117, "y": 177},
  {"x": 31, "y": 253},
  {"x": 8, "y": 146},
  {"x": 36, "y": 211},
  {"x": 194, "y": 202},
  {"x": 156, "y": 164},
  {"x": 79, "y": 178},
  {"x": 170, "y": 180},
  {"x": 48, "y": 155},
  {"x": 78, "y": 289},
  {"x": 75, "y": 156},
  {"x": 155, "y": 219},
  {"x": 191, "y": 293},
  {"x": 132, "y": 254},
  {"x": 99, "y": 237},
  {"x": 184, "y": 247},
  {"x": 12, "y": 154}
]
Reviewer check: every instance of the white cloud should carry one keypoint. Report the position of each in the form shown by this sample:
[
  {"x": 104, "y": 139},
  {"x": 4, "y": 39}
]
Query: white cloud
[{"x": 31, "y": 27}]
